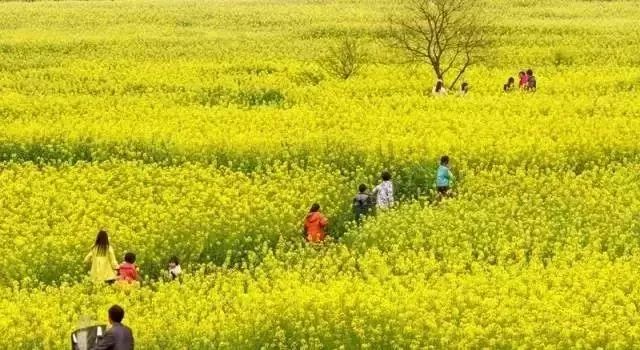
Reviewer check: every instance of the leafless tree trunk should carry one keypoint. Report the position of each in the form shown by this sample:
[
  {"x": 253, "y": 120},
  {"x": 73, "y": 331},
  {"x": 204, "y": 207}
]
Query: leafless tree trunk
[
  {"x": 344, "y": 60},
  {"x": 449, "y": 35}
]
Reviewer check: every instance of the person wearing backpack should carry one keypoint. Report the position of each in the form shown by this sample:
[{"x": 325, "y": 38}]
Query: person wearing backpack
[{"x": 361, "y": 203}]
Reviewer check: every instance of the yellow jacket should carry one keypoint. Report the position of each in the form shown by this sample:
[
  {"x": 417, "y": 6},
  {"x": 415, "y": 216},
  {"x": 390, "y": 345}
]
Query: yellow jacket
[{"x": 102, "y": 266}]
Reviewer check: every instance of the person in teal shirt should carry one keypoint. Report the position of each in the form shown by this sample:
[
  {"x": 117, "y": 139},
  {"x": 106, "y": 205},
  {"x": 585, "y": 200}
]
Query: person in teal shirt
[{"x": 444, "y": 177}]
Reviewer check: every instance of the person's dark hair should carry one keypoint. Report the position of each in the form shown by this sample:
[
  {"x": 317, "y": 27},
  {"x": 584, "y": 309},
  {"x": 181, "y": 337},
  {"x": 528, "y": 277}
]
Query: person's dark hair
[
  {"x": 102, "y": 242},
  {"x": 315, "y": 208},
  {"x": 130, "y": 258},
  {"x": 362, "y": 188},
  {"x": 444, "y": 160},
  {"x": 439, "y": 85},
  {"x": 116, "y": 313},
  {"x": 511, "y": 81},
  {"x": 529, "y": 72},
  {"x": 386, "y": 176},
  {"x": 174, "y": 259},
  {"x": 521, "y": 73}
]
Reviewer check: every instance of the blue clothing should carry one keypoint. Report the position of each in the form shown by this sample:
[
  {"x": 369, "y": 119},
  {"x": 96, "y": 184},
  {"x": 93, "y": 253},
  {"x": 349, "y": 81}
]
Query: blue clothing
[{"x": 444, "y": 177}]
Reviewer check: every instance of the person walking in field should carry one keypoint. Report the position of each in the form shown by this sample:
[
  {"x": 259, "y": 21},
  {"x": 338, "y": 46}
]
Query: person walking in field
[
  {"x": 509, "y": 86},
  {"x": 444, "y": 178},
  {"x": 315, "y": 224},
  {"x": 384, "y": 192},
  {"x": 361, "y": 203},
  {"x": 102, "y": 259}
]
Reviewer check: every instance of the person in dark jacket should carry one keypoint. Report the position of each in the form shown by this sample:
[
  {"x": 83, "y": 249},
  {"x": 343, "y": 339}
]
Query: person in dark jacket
[
  {"x": 361, "y": 203},
  {"x": 510, "y": 85},
  {"x": 119, "y": 336},
  {"x": 464, "y": 89},
  {"x": 532, "y": 84}
]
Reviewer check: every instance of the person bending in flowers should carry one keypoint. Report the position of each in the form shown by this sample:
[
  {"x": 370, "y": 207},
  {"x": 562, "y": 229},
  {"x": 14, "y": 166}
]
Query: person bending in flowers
[{"x": 315, "y": 224}]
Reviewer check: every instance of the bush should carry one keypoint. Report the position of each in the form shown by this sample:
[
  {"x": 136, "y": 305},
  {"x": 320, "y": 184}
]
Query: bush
[
  {"x": 344, "y": 60},
  {"x": 562, "y": 58},
  {"x": 261, "y": 97}
]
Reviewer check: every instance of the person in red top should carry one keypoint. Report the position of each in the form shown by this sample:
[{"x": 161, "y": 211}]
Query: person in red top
[
  {"x": 314, "y": 225},
  {"x": 128, "y": 270},
  {"x": 524, "y": 80}
]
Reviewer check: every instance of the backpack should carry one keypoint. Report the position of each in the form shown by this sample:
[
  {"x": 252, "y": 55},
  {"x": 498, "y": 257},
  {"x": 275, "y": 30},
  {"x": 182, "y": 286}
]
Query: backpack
[{"x": 362, "y": 206}]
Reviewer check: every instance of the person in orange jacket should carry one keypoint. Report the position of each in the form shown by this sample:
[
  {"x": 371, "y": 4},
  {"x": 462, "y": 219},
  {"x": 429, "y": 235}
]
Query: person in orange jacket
[{"x": 314, "y": 225}]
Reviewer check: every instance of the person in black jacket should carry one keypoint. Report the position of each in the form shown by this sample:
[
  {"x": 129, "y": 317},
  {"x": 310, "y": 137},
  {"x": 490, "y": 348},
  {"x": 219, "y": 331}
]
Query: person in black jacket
[
  {"x": 362, "y": 203},
  {"x": 119, "y": 336},
  {"x": 532, "y": 84},
  {"x": 510, "y": 85}
]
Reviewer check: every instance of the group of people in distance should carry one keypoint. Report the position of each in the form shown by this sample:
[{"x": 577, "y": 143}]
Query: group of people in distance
[
  {"x": 440, "y": 90},
  {"x": 105, "y": 268},
  {"x": 315, "y": 223},
  {"x": 527, "y": 82}
]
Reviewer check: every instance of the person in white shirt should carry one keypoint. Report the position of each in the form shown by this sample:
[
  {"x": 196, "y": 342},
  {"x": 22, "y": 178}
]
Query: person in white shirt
[
  {"x": 384, "y": 192},
  {"x": 439, "y": 89},
  {"x": 174, "y": 267}
]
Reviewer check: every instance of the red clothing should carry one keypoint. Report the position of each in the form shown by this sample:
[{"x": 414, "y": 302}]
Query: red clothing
[
  {"x": 524, "y": 81},
  {"x": 314, "y": 225},
  {"x": 128, "y": 272}
]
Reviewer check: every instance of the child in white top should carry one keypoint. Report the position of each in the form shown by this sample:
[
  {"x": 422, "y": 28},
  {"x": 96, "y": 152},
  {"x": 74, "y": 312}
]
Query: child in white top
[
  {"x": 384, "y": 192},
  {"x": 174, "y": 267}
]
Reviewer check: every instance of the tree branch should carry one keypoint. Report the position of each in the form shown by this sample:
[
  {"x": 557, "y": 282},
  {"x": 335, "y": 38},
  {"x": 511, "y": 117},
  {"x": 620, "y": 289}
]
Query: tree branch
[{"x": 440, "y": 32}]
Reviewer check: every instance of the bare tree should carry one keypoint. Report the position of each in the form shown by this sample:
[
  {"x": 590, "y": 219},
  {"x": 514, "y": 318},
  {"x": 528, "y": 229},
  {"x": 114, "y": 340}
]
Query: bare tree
[
  {"x": 344, "y": 60},
  {"x": 449, "y": 35}
]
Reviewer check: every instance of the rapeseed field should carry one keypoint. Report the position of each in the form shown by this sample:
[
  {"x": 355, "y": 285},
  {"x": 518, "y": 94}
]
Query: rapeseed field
[{"x": 206, "y": 129}]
